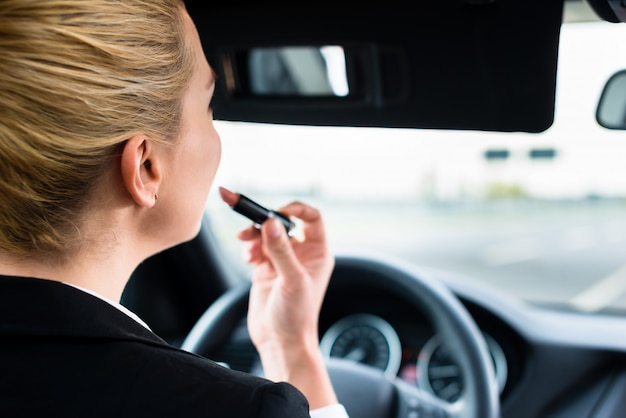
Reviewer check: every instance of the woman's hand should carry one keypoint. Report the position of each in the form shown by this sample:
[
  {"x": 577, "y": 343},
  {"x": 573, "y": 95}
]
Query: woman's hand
[{"x": 289, "y": 282}]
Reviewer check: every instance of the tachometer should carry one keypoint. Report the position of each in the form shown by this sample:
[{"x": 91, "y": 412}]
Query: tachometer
[
  {"x": 440, "y": 375},
  {"x": 366, "y": 339}
]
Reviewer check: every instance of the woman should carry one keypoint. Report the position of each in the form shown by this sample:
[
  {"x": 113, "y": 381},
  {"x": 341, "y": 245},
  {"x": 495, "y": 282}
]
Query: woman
[{"x": 107, "y": 153}]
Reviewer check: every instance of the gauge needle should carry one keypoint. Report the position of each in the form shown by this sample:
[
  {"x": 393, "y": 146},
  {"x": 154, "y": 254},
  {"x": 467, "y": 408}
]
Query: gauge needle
[
  {"x": 357, "y": 354},
  {"x": 450, "y": 391},
  {"x": 441, "y": 372}
]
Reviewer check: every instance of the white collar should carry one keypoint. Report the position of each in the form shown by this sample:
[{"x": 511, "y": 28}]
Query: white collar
[{"x": 116, "y": 305}]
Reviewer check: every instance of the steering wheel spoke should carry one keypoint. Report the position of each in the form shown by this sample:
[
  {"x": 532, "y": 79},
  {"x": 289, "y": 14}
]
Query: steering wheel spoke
[{"x": 416, "y": 403}]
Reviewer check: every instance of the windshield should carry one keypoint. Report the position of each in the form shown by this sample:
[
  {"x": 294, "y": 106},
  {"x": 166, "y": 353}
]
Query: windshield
[{"x": 541, "y": 216}]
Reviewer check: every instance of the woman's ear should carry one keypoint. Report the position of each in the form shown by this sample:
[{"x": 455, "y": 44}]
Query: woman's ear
[{"x": 141, "y": 170}]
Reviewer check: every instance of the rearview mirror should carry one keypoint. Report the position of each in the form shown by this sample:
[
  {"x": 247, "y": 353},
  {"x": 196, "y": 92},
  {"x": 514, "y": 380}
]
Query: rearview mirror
[{"x": 611, "y": 112}]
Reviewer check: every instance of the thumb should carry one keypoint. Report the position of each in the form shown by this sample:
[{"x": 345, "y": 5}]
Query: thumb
[{"x": 279, "y": 249}]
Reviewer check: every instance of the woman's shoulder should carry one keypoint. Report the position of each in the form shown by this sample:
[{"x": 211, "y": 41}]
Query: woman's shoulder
[{"x": 187, "y": 383}]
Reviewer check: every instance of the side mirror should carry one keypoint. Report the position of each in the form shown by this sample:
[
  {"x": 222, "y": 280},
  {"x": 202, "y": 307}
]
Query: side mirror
[{"x": 611, "y": 112}]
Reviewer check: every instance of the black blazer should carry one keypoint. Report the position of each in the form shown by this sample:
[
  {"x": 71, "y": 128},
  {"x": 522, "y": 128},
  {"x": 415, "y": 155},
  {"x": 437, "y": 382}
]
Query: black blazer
[{"x": 65, "y": 353}]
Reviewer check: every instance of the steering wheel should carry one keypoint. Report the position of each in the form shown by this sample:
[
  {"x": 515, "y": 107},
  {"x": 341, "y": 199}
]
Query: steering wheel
[{"x": 364, "y": 391}]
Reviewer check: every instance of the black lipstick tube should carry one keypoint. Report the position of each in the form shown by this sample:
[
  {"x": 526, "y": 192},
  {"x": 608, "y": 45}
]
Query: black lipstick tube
[{"x": 259, "y": 214}]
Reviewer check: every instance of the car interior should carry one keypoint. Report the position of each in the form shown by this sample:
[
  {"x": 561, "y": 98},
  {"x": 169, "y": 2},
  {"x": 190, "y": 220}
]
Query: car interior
[{"x": 410, "y": 336}]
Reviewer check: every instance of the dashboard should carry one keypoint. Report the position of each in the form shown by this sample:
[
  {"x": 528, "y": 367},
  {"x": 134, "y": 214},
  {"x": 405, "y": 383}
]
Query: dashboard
[
  {"x": 548, "y": 362},
  {"x": 372, "y": 325},
  {"x": 369, "y": 339},
  {"x": 363, "y": 321}
]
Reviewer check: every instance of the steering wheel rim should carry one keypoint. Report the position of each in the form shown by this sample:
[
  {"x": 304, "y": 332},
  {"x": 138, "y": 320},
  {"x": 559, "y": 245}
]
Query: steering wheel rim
[{"x": 451, "y": 320}]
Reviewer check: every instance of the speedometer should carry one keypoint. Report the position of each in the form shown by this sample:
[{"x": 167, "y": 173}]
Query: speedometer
[{"x": 366, "y": 339}]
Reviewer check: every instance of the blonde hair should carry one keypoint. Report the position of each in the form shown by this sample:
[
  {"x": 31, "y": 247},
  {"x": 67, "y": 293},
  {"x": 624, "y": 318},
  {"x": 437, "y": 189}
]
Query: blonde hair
[{"x": 77, "y": 79}]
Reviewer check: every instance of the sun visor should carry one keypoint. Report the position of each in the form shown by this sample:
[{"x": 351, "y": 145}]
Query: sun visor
[
  {"x": 480, "y": 65},
  {"x": 610, "y": 10}
]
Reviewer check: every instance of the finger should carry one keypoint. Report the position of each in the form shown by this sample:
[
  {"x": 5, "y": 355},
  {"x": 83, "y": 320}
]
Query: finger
[
  {"x": 313, "y": 227},
  {"x": 264, "y": 273},
  {"x": 253, "y": 252},
  {"x": 301, "y": 211},
  {"x": 250, "y": 233},
  {"x": 279, "y": 250}
]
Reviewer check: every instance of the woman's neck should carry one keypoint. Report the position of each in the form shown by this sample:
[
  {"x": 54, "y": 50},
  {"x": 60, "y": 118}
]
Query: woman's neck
[{"x": 91, "y": 268}]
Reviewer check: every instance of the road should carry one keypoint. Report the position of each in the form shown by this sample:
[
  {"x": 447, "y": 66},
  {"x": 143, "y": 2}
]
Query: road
[
  {"x": 563, "y": 253},
  {"x": 571, "y": 254}
]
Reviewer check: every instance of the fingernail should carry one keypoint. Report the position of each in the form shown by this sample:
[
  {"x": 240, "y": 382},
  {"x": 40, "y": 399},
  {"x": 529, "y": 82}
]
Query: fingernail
[{"x": 274, "y": 227}]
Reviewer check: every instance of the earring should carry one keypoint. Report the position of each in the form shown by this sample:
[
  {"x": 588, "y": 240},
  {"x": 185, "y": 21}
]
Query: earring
[{"x": 156, "y": 197}]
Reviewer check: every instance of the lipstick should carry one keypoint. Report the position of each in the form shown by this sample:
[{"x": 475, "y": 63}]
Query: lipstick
[{"x": 252, "y": 210}]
